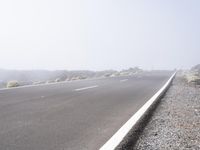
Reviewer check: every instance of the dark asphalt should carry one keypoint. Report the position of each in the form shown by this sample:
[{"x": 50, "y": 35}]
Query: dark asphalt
[{"x": 59, "y": 117}]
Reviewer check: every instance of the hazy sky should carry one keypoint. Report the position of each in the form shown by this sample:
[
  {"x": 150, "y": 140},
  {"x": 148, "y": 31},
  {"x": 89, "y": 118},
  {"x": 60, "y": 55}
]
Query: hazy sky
[{"x": 99, "y": 34}]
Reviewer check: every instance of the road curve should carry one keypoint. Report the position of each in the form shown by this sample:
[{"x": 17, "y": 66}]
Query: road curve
[{"x": 75, "y": 115}]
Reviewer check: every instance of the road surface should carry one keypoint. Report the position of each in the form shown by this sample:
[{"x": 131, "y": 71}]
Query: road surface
[{"x": 75, "y": 115}]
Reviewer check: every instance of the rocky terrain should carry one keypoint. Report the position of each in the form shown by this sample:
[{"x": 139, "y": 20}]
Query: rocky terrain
[{"x": 175, "y": 124}]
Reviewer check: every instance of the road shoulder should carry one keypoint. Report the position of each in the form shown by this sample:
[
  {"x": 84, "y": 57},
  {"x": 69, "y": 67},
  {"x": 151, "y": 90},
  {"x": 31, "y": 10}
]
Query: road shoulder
[{"x": 175, "y": 124}]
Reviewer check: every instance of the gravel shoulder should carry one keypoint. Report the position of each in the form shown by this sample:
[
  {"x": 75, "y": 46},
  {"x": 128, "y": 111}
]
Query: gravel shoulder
[{"x": 175, "y": 124}]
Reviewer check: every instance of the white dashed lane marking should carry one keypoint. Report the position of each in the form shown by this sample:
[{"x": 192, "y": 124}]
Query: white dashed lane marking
[
  {"x": 85, "y": 88},
  {"x": 124, "y": 80}
]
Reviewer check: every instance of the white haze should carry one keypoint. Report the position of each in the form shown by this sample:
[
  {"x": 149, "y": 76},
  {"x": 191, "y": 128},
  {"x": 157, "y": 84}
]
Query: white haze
[{"x": 99, "y": 34}]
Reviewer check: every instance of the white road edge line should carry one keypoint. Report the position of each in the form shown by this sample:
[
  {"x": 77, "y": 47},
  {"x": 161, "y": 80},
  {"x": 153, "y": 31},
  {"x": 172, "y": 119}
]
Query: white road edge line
[
  {"x": 85, "y": 88},
  {"x": 124, "y": 80},
  {"x": 117, "y": 138}
]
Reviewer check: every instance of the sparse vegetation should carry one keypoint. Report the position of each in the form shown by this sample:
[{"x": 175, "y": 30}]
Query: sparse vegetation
[
  {"x": 12, "y": 83},
  {"x": 35, "y": 77},
  {"x": 193, "y": 76},
  {"x": 37, "y": 82},
  {"x": 50, "y": 81},
  {"x": 58, "y": 80}
]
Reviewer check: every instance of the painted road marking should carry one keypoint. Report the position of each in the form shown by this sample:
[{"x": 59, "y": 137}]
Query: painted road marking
[
  {"x": 124, "y": 80},
  {"x": 85, "y": 88},
  {"x": 115, "y": 140}
]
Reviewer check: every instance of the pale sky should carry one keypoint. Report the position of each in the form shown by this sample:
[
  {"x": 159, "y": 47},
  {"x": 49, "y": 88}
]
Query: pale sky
[{"x": 99, "y": 34}]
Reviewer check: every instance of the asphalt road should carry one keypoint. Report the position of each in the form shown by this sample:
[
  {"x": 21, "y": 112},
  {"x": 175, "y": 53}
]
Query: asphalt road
[{"x": 76, "y": 115}]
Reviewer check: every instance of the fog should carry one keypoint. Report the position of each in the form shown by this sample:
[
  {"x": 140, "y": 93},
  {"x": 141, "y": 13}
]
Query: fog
[{"x": 99, "y": 34}]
